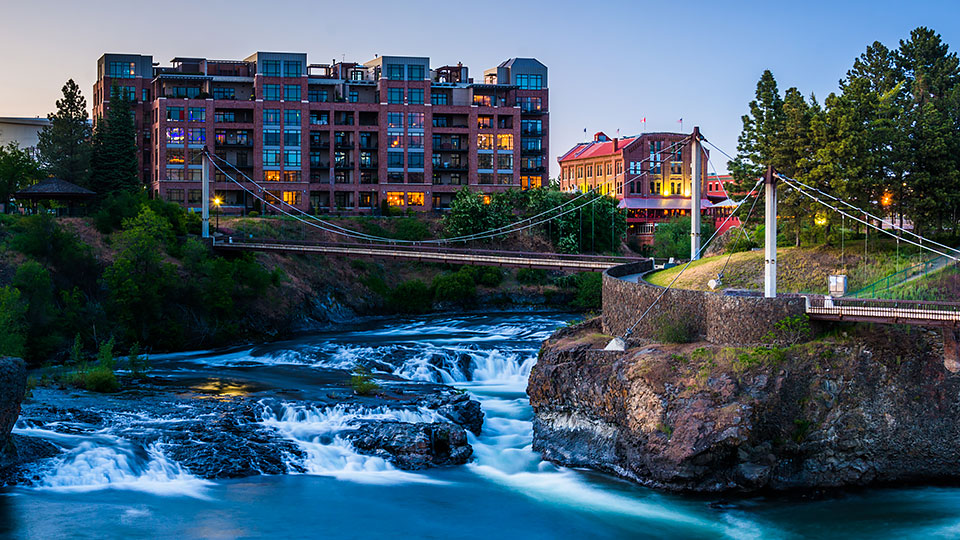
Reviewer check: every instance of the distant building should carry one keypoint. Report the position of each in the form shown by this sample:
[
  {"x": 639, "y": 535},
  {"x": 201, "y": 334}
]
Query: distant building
[
  {"x": 341, "y": 135},
  {"x": 23, "y": 131},
  {"x": 650, "y": 174}
]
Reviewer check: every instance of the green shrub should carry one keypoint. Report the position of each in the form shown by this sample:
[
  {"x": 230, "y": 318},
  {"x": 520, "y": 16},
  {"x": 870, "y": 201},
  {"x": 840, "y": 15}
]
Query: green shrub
[
  {"x": 589, "y": 291},
  {"x": 101, "y": 379},
  {"x": 362, "y": 382},
  {"x": 531, "y": 276},
  {"x": 491, "y": 276},
  {"x": 253, "y": 214},
  {"x": 137, "y": 363},
  {"x": 411, "y": 297},
  {"x": 458, "y": 287},
  {"x": 410, "y": 229},
  {"x": 789, "y": 331}
]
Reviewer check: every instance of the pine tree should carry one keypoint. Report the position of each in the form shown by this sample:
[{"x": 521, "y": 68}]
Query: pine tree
[
  {"x": 114, "y": 160},
  {"x": 64, "y": 145},
  {"x": 761, "y": 130}
]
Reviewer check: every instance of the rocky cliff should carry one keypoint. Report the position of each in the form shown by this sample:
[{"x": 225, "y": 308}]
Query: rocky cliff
[
  {"x": 868, "y": 406},
  {"x": 13, "y": 381}
]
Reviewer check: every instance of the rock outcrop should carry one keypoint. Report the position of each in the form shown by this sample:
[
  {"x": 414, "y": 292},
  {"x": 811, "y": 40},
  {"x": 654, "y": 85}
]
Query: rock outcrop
[
  {"x": 13, "y": 385},
  {"x": 874, "y": 407},
  {"x": 416, "y": 445}
]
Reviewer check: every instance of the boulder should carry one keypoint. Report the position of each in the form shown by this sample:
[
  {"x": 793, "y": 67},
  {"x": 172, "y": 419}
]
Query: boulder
[
  {"x": 13, "y": 385},
  {"x": 875, "y": 407},
  {"x": 417, "y": 445},
  {"x": 457, "y": 408}
]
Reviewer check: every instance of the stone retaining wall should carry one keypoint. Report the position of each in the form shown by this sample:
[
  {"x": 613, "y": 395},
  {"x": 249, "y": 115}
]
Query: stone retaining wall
[{"x": 715, "y": 317}]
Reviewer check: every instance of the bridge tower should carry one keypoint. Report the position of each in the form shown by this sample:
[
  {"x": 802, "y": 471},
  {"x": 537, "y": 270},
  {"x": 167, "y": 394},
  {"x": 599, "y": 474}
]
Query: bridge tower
[
  {"x": 696, "y": 182},
  {"x": 205, "y": 196},
  {"x": 770, "y": 234}
]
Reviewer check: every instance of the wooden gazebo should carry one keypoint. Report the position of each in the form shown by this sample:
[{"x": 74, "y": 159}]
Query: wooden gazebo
[{"x": 55, "y": 189}]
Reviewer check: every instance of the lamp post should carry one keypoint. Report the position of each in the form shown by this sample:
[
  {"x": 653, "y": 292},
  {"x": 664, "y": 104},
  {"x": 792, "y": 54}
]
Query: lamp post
[{"x": 216, "y": 202}]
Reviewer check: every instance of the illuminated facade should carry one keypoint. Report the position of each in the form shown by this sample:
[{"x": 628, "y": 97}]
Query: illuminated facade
[
  {"x": 650, "y": 174},
  {"x": 340, "y": 136}
]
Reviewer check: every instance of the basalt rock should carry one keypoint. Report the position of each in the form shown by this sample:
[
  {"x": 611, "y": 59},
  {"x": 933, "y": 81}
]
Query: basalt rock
[
  {"x": 874, "y": 407},
  {"x": 417, "y": 445},
  {"x": 13, "y": 384},
  {"x": 457, "y": 408},
  {"x": 19, "y": 451}
]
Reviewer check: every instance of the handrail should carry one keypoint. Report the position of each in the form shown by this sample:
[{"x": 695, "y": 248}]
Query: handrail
[{"x": 934, "y": 263}]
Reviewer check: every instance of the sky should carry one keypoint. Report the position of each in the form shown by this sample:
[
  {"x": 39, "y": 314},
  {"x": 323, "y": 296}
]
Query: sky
[{"x": 611, "y": 64}]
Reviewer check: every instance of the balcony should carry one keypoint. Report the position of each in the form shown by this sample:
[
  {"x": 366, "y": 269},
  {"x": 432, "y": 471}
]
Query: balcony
[
  {"x": 368, "y": 146},
  {"x": 532, "y": 132},
  {"x": 531, "y": 152},
  {"x": 236, "y": 143},
  {"x": 450, "y": 167},
  {"x": 344, "y": 145},
  {"x": 448, "y": 147},
  {"x": 319, "y": 145},
  {"x": 319, "y": 164},
  {"x": 532, "y": 169},
  {"x": 343, "y": 164},
  {"x": 532, "y": 111},
  {"x": 369, "y": 165}
]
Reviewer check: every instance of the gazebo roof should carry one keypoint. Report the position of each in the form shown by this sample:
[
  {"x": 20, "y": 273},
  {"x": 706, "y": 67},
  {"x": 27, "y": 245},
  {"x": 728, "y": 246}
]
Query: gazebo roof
[{"x": 54, "y": 188}]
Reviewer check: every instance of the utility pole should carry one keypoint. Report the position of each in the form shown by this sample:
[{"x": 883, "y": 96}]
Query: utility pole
[
  {"x": 205, "y": 196},
  {"x": 696, "y": 180},
  {"x": 770, "y": 235}
]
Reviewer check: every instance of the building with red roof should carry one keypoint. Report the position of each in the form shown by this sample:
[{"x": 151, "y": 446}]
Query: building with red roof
[{"x": 650, "y": 174}]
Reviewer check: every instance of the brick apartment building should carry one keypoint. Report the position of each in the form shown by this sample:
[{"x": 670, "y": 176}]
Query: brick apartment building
[
  {"x": 337, "y": 136},
  {"x": 650, "y": 174}
]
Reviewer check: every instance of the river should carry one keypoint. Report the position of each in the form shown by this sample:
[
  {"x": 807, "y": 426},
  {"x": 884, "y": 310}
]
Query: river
[{"x": 104, "y": 486}]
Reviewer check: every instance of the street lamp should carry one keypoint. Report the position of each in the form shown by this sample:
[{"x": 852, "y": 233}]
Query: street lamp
[{"x": 217, "y": 201}]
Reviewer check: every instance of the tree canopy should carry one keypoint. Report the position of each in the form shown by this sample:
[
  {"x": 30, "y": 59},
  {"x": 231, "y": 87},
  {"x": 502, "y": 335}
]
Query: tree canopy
[{"x": 64, "y": 145}]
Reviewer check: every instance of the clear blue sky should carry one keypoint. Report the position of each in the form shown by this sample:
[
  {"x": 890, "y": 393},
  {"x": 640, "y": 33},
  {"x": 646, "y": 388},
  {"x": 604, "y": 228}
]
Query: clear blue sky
[{"x": 611, "y": 63}]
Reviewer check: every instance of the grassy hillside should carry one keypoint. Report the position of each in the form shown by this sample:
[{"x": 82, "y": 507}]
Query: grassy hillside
[{"x": 803, "y": 269}]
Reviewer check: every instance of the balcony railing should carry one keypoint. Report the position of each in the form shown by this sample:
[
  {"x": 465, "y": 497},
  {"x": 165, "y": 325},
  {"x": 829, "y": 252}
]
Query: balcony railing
[
  {"x": 449, "y": 147},
  {"x": 450, "y": 167},
  {"x": 341, "y": 164},
  {"x": 369, "y": 165},
  {"x": 344, "y": 144},
  {"x": 532, "y": 132},
  {"x": 531, "y": 152}
]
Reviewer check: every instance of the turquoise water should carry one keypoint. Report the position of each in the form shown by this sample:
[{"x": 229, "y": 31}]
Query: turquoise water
[{"x": 103, "y": 487}]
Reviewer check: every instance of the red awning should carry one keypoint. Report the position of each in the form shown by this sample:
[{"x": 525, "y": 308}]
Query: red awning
[{"x": 661, "y": 203}]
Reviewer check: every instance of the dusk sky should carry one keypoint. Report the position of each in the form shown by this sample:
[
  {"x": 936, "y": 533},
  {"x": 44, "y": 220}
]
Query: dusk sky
[{"x": 611, "y": 63}]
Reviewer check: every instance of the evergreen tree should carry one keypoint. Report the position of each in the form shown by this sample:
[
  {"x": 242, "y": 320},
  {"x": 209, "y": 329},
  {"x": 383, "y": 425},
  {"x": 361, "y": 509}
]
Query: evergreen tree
[
  {"x": 64, "y": 145},
  {"x": 114, "y": 161},
  {"x": 17, "y": 170},
  {"x": 762, "y": 129}
]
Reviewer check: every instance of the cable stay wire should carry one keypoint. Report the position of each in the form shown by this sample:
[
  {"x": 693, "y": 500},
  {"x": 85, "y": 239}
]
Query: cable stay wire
[
  {"x": 499, "y": 231},
  {"x": 852, "y": 207},
  {"x": 630, "y": 330},
  {"x": 790, "y": 182}
]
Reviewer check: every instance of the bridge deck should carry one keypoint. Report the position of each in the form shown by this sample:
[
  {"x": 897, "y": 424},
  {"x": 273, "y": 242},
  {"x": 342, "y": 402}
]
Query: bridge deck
[
  {"x": 546, "y": 261},
  {"x": 884, "y": 311}
]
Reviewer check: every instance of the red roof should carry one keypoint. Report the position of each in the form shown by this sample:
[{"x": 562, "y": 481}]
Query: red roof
[{"x": 595, "y": 149}]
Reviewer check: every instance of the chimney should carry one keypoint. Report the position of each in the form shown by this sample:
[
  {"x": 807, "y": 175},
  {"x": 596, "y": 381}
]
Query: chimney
[{"x": 616, "y": 143}]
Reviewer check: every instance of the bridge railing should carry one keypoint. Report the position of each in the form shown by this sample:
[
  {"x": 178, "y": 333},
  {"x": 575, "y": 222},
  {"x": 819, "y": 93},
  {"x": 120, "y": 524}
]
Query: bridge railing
[
  {"x": 883, "y": 304},
  {"x": 422, "y": 248},
  {"x": 897, "y": 278}
]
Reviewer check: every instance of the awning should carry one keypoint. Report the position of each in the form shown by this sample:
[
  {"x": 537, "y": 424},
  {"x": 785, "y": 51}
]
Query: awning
[
  {"x": 726, "y": 203},
  {"x": 660, "y": 203}
]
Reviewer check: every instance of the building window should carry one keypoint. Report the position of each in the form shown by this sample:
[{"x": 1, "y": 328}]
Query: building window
[
  {"x": 483, "y": 101},
  {"x": 531, "y": 127},
  {"x": 415, "y": 96},
  {"x": 271, "y": 137},
  {"x": 175, "y": 156},
  {"x": 395, "y": 160},
  {"x": 395, "y": 120},
  {"x": 318, "y": 96},
  {"x": 395, "y": 72},
  {"x": 395, "y": 198},
  {"x": 271, "y": 117},
  {"x": 485, "y": 142},
  {"x": 122, "y": 70},
  {"x": 530, "y": 82},
  {"x": 415, "y": 73},
  {"x": 174, "y": 114},
  {"x": 484, "y": 122},
  {"x": 271, "y": 158},
  {"x": 394, "y": 140},
  {"x": 224, "y": 93},
  {"x": 438, "y": 98},
  {"x": 175, "y": 195},
  {"x": 320, "y": 118},
  {"x": 589, "y": 171},
  {"x": 292, "y": 68},
  {"x": 226, "y": 117},
  {"x": 395, "y": 95},
  {"x": 292, "y": 198},
  {"x": 193, "y": 196},
  {"x": 530, "y": 104},
  {"x": 485, "y": 178},
  {"x": 415, "y": 160},
  {"x": 291, "y": 137},
  {"x": 271, "y": 68},
  {"x": 504, "y": 141},
  {"x": 174, "y": 135},
  {"x": 354, "y": 96},
  {"x": 504, "y": 179},
  {"x": 505, "y": 162},
  {"x": 291, "y": 92},
  {"x": 530, "y": 143},
  {"x": 485, "y": 161},
  {"x": 530, "y": 182},
  {"x": 175, "y": 175},
  {"x": 440, "y": 121},
  {"x": 197, "y": 114},
  {"x": 196, "y": 136},
  {"x": 271, "y": 176},
  {"x": 415, "y": 140},
  {"x": 291, "y": 118},
  {"x": 415, "y": 120},
  {"x": 291, "y": 158},
  {"x": 415, "y": 198},
  {"x": 271, "y": 92}
]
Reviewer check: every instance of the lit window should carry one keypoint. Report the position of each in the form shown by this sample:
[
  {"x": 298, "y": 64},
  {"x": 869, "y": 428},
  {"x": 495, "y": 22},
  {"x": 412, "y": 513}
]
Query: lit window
[
  {"x": 291, "y": 197},
  {"x": 484, "y": 101},
  {"x": 395, "y": 198},
  {"x": 122, "y": 70},
  {"x": 291, "y": 176},
  {"x": 415, "y": 121},
  {"x": 174, "y": 135},
  {"x": 175, "y": 156},
  {"x": 485, "y": 142},
  {"x": 530, "y": 104},
  {"x": 197, "y": 136},
  {"x": 484, "y": 122},
  {"x": 394, "y": 140},
  {"x": 271, "y": 176},
  {"x": 504, "y": 141},
  {"x": 414, "y": 198}
]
